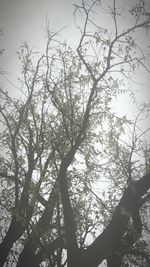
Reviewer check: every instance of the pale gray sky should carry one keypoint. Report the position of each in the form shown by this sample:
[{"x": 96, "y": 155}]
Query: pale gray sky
[{"x": 25, "y": 21}]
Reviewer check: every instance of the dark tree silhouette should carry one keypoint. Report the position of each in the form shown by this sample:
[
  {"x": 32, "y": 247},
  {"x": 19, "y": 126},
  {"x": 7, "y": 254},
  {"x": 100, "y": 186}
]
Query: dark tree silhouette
[{"x": 61, "y": 138}]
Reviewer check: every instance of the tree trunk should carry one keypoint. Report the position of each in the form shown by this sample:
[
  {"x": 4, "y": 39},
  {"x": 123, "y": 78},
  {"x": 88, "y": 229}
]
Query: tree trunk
[
  {"x": 106, "y": 244},
  {"x": 108, "y": 241},
  {"x": 15, "y": 231},
  {"x": 27, "y": 257},
  {"x": 114, "y": 260}
]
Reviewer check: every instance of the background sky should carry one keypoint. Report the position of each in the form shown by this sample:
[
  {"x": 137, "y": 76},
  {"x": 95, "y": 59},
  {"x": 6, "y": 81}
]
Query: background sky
[{"x": 25, "y": 21}]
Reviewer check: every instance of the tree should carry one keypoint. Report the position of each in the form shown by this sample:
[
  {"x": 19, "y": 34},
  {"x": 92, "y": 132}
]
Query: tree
[{"x": 60, "y": 138}]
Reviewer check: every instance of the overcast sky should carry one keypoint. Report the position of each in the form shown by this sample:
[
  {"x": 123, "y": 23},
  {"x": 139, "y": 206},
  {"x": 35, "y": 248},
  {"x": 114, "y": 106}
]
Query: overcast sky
[{"x": 26, "y": 20}]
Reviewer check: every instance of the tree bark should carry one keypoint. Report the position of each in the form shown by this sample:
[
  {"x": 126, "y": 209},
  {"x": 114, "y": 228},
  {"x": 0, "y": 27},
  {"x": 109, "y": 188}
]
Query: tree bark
[
  {"x": 70, "y": 228},
  {"x": 114, "y": 260},
  {"x": 27, "y": 255},
  {"x": 107, "y": 242},
  {"x": 15, "y": 231}
]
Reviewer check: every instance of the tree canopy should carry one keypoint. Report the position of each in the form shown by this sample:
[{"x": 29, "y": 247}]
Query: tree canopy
[{"x": 75, "y": 176}]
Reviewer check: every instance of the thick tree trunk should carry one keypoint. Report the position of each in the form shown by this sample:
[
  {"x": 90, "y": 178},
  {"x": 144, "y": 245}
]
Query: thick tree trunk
[
  {"x": 15, "y": 231},
  {"x": 5, "y": 247},
  {"x": 70, "y": 228},
  {"x": 114, "y": 260},
  {"x": 27, "y": 257},
  {"x": 108, "y": 242}
]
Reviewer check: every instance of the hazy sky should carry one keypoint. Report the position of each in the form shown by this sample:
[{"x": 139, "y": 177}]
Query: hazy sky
[{"x": 25, "y": 21}]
